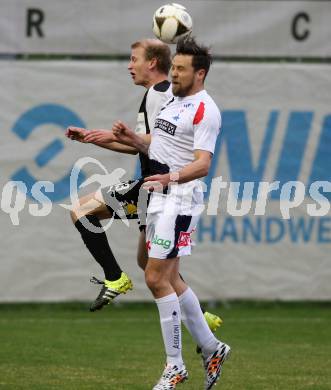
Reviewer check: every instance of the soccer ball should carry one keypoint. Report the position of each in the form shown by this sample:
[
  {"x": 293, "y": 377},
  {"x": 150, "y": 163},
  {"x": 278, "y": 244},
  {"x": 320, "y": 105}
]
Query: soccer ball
[{"x": 171, "y": 22}]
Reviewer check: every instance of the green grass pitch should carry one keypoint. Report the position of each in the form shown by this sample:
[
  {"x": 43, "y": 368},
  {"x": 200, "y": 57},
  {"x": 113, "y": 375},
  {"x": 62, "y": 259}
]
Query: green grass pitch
[{"x": 63, "y": 346}]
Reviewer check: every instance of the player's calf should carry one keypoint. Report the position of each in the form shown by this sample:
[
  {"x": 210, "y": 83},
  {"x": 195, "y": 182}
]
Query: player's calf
[{"x": 213, "y": 321}]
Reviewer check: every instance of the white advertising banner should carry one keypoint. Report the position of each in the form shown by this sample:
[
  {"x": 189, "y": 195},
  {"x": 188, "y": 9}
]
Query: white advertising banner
[
  {"x": 233, "y": 28},
  {"x": 276, "y": 130}
]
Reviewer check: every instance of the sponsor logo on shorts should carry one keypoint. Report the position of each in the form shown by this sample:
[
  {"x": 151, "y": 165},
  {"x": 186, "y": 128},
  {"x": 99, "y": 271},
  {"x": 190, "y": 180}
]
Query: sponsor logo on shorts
[
  {"x": 184, "y": 239},
  {"x": 160, "y": 241},
  {"x": 165, "y": 126}
]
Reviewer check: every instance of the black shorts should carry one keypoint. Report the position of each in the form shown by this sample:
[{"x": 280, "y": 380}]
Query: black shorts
[{"x": 122, "y": 200}]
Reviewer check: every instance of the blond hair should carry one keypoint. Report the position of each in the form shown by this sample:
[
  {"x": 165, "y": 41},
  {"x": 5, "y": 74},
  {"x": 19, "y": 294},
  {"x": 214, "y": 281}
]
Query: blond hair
[{"x": 154, "y": 48}]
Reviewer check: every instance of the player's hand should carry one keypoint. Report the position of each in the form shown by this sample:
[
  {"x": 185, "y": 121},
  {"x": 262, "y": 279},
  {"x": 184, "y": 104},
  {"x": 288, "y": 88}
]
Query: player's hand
[
  {"x": 156, "y": 182},
  {"x": 76, "y": 133},
  {"x": 99, "y": 137},
  {"x": 123, "y": 133}
]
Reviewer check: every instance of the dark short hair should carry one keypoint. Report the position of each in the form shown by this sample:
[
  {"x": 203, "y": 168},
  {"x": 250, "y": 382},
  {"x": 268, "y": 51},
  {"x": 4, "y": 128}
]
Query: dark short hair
[
  {"x": 201, "y": 57},
  {"x": 155, "y": 48}
]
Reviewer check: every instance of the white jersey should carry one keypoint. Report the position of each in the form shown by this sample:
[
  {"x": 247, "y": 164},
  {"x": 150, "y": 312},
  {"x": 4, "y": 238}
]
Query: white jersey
[{"x": 183, "y": 126}]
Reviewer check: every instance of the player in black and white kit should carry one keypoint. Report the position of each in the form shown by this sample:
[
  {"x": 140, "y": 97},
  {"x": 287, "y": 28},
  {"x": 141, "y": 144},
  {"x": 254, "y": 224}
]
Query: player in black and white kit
[
  {"x": 181, "y": 146},
  {"x": 149, "y": 66}
]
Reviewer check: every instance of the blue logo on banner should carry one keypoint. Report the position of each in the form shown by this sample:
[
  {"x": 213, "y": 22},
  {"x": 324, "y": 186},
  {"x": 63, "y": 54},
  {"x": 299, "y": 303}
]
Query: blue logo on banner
[
  {"x": 42, "y": 115},
  {"x": 235, "y": 135}
]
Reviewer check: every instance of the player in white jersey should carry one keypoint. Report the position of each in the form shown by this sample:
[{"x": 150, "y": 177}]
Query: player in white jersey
[
  {"x": 180, "y": 152},
  {"x": 185, "y": 125}
]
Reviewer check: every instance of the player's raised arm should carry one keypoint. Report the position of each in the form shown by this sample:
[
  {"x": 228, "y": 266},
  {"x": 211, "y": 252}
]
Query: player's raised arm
[
  {"x": 107, "y": 139},
  {"x": 99, "y": 137},
  {"x": 76, "y": 133},
  {"x": 128, "y": 137}
]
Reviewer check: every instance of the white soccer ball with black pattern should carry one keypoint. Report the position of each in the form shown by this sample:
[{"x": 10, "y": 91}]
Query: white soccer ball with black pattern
[{"x": 172, "y": 22}]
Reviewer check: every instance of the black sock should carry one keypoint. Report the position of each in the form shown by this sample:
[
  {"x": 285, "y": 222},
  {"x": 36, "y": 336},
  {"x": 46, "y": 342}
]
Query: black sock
[{"x": 98, "y": 246}]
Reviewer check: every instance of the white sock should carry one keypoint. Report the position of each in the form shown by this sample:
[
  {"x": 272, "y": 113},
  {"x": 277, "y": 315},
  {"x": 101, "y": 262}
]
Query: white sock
[
  {"x": 195, "y": 322},
  {"x": 170, "y": 318}
]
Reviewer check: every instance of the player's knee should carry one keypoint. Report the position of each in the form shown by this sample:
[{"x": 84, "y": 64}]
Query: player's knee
[
  {"x": 73, "y": 216},
  {"x": 150, "y": 279},
  {"x": 153, "y": 280},
  {"x": 82, "y": 210},
  {"x": 76, "y": 213}
]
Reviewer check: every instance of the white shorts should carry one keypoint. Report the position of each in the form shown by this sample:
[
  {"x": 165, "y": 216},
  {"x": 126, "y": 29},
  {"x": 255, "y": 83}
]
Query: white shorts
[{"x": 168, "y": 230}]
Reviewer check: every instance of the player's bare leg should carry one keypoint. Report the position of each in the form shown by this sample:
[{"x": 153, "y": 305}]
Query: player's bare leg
[{"x": 86, "y": 216}]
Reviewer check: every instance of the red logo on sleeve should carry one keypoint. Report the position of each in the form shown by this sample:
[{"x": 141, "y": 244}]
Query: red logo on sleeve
[{"x": 199, "y": 114}]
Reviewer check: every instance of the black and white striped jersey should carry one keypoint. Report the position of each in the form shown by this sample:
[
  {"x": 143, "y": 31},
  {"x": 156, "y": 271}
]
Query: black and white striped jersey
[{"x": 153, "y": 101}]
